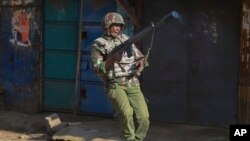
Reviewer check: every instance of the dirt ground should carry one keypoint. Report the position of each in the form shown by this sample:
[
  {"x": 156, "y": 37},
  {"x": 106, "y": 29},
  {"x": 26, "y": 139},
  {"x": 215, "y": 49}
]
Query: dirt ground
[
  {"x": 16, "y": 126},
  {"x": 20, "y": 126}
]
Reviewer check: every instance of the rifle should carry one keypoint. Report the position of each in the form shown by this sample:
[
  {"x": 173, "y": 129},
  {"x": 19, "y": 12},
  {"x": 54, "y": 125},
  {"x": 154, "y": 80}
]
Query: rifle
[{"x": 126, "y": 46}]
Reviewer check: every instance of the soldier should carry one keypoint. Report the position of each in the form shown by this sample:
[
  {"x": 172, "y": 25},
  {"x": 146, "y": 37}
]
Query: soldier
[{"x": 120, "y": 75}]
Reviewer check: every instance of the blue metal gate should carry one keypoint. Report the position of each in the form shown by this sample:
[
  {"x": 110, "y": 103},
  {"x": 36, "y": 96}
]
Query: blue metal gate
[
  {"x": 60, "y": 53},
  {"x": 92, "y": 94},
  {"x": 61, "y": 61}
]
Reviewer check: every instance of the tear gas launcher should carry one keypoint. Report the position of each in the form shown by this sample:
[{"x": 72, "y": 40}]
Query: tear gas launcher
[{"x": 126, "y": 46}]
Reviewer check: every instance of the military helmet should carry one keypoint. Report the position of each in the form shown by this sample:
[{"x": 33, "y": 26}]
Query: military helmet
[{"x": 112, "y": 18}]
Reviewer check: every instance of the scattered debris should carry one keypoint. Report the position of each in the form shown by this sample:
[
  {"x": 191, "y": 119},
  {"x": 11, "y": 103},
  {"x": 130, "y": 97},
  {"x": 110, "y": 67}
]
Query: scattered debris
[{"x": 53, "y": 123}]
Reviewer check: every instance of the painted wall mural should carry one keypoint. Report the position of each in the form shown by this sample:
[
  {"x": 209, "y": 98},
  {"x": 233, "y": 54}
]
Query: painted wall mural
[{"x": 21, "y": 28}]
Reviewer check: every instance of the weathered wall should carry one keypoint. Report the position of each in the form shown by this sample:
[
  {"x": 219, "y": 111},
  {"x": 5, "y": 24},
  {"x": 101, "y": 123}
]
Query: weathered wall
[
  {"x": 20, "y": 45},
  {"x": 193, "y": 78}
]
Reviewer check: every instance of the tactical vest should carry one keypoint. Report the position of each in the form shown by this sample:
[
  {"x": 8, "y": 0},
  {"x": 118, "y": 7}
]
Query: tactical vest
[{"x": 127, "y": 65}]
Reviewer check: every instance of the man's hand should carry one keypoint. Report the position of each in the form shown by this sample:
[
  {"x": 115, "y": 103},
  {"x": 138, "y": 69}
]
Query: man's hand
[
  {"x": 117, "y": 57},
  {"x": 140, "y": 66}
]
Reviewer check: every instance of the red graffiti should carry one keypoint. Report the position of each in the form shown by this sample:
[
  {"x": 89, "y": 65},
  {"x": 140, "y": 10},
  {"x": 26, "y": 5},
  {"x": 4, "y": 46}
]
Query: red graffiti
[{"x": 24, "y": 26}]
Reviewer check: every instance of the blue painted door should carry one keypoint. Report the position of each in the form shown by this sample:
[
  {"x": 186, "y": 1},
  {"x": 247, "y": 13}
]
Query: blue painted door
[
  {"x": 60, "y": 53},
  {"x": 92, "y": 94}
]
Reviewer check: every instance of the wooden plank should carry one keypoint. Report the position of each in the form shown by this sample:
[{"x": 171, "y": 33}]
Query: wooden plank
[{"x": 78, "y": 64}]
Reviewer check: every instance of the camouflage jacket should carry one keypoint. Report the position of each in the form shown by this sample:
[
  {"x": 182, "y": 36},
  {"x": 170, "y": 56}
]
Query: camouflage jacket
[{"x": 120, "y": 72}]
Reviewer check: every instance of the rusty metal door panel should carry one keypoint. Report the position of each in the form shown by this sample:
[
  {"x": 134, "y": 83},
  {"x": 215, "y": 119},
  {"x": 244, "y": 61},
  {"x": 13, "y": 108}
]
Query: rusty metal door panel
[
  {"x": 196, "y": 79},
  {"x": 20, "y": 45},
  {"x": 244, "y": 75}
]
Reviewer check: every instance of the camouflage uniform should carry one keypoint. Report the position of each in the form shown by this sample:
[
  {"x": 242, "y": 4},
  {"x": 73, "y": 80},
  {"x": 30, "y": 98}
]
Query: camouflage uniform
[{"x": 123, "y": 87}]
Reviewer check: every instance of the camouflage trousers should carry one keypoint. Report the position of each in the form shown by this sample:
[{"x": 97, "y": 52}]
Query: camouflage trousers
[{"x": 130, "y": 105}]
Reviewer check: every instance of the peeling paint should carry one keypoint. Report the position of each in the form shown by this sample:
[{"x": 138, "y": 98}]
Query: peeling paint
[{"x": 245, "y": 38}]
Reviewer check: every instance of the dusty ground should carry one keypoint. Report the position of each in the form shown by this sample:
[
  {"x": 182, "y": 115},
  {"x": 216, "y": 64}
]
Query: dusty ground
[
  {"x": 20, "y": 126},
  {"x": 16, "y": 126}
]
